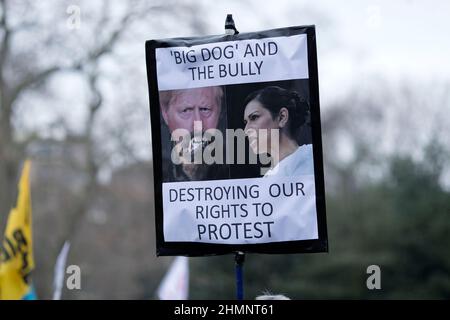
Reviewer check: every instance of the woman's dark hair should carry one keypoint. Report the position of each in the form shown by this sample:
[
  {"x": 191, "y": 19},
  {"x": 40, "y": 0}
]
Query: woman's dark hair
[{"x": 274, "y": 98}]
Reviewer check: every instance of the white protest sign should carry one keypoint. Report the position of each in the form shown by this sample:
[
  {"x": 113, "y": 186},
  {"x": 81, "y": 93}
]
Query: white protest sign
[{"x": 237, "y": 143}]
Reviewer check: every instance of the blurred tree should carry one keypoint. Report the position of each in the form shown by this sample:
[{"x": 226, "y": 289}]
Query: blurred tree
[
  {"x": 47, "y": 50},
  {"x": 386, "y": 205},
  {"x": 399, "y": 223}
]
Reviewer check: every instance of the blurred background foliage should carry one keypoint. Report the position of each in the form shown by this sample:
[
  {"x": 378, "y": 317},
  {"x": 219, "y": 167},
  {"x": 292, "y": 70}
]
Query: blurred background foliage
[
  {"x": 399, "y": 223},
  {"x": 75, "y": 101}
]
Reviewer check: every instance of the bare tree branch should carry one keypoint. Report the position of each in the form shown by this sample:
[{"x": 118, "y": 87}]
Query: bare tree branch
[
  {"x": 111, "y": 41},
  {"x": 33, "y": 79},
  {"x": 95, "y": 54}
]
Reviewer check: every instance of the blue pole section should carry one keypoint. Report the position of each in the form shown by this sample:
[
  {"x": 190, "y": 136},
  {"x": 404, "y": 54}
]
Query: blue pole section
[{"x": 239, "y": 258}]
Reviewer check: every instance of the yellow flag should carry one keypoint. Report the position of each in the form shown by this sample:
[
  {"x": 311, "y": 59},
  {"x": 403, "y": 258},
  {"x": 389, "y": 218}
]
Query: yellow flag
[{"x": 16, "y": 250}]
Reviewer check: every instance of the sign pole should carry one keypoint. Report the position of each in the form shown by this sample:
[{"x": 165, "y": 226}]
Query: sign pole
[
  {"x": 239, "y": 258},
  {"x": 230, "y": 27}
]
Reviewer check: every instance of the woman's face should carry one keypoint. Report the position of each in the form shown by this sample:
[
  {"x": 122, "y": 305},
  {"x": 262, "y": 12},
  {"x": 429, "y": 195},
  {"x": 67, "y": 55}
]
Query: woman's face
[{"x": 258, "y": 127}]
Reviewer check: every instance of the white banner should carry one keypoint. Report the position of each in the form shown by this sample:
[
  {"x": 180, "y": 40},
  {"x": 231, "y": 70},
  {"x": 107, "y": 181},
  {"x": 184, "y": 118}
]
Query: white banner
[
  {"x": 232, "y": 62},
  {"x": 175, "y": 284},
  {"x": 60, "y": 271},
  {"x": 244, "y": 211}
]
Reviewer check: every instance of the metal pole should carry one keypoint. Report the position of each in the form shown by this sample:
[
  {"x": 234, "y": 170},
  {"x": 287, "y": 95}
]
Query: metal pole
[
  {"x": 239, "y": 258},
  {"x": 230, "y": 27}
]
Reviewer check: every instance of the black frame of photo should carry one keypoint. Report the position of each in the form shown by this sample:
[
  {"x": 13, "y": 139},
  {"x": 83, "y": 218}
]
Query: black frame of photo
[{"x": 201, "y": 249}]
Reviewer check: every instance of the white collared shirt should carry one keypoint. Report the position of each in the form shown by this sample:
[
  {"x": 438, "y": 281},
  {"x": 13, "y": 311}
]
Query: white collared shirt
[{"x": 298, "y": 163}]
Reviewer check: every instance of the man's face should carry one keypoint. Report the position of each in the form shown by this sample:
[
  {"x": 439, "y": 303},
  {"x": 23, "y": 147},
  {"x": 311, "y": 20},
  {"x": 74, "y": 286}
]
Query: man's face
[{"x": 200, "y": 104}]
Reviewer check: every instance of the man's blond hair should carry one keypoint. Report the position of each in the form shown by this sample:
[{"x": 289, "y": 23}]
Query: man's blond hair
[{"x": 167, "y": 96}]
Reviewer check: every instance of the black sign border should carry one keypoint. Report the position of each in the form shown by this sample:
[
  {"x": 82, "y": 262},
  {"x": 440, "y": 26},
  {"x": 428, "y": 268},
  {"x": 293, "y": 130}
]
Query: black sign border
[{"x": 164, "y": 248}]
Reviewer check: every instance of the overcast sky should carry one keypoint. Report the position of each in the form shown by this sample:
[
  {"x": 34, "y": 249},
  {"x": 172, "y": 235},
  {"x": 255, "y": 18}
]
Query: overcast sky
[
  {"x": 361, "y": 42},
  {"x": 395, "y": 40}
]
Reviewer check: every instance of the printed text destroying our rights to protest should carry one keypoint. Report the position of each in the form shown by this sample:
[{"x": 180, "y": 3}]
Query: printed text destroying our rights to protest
[{"x": 223, "y": 212}]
